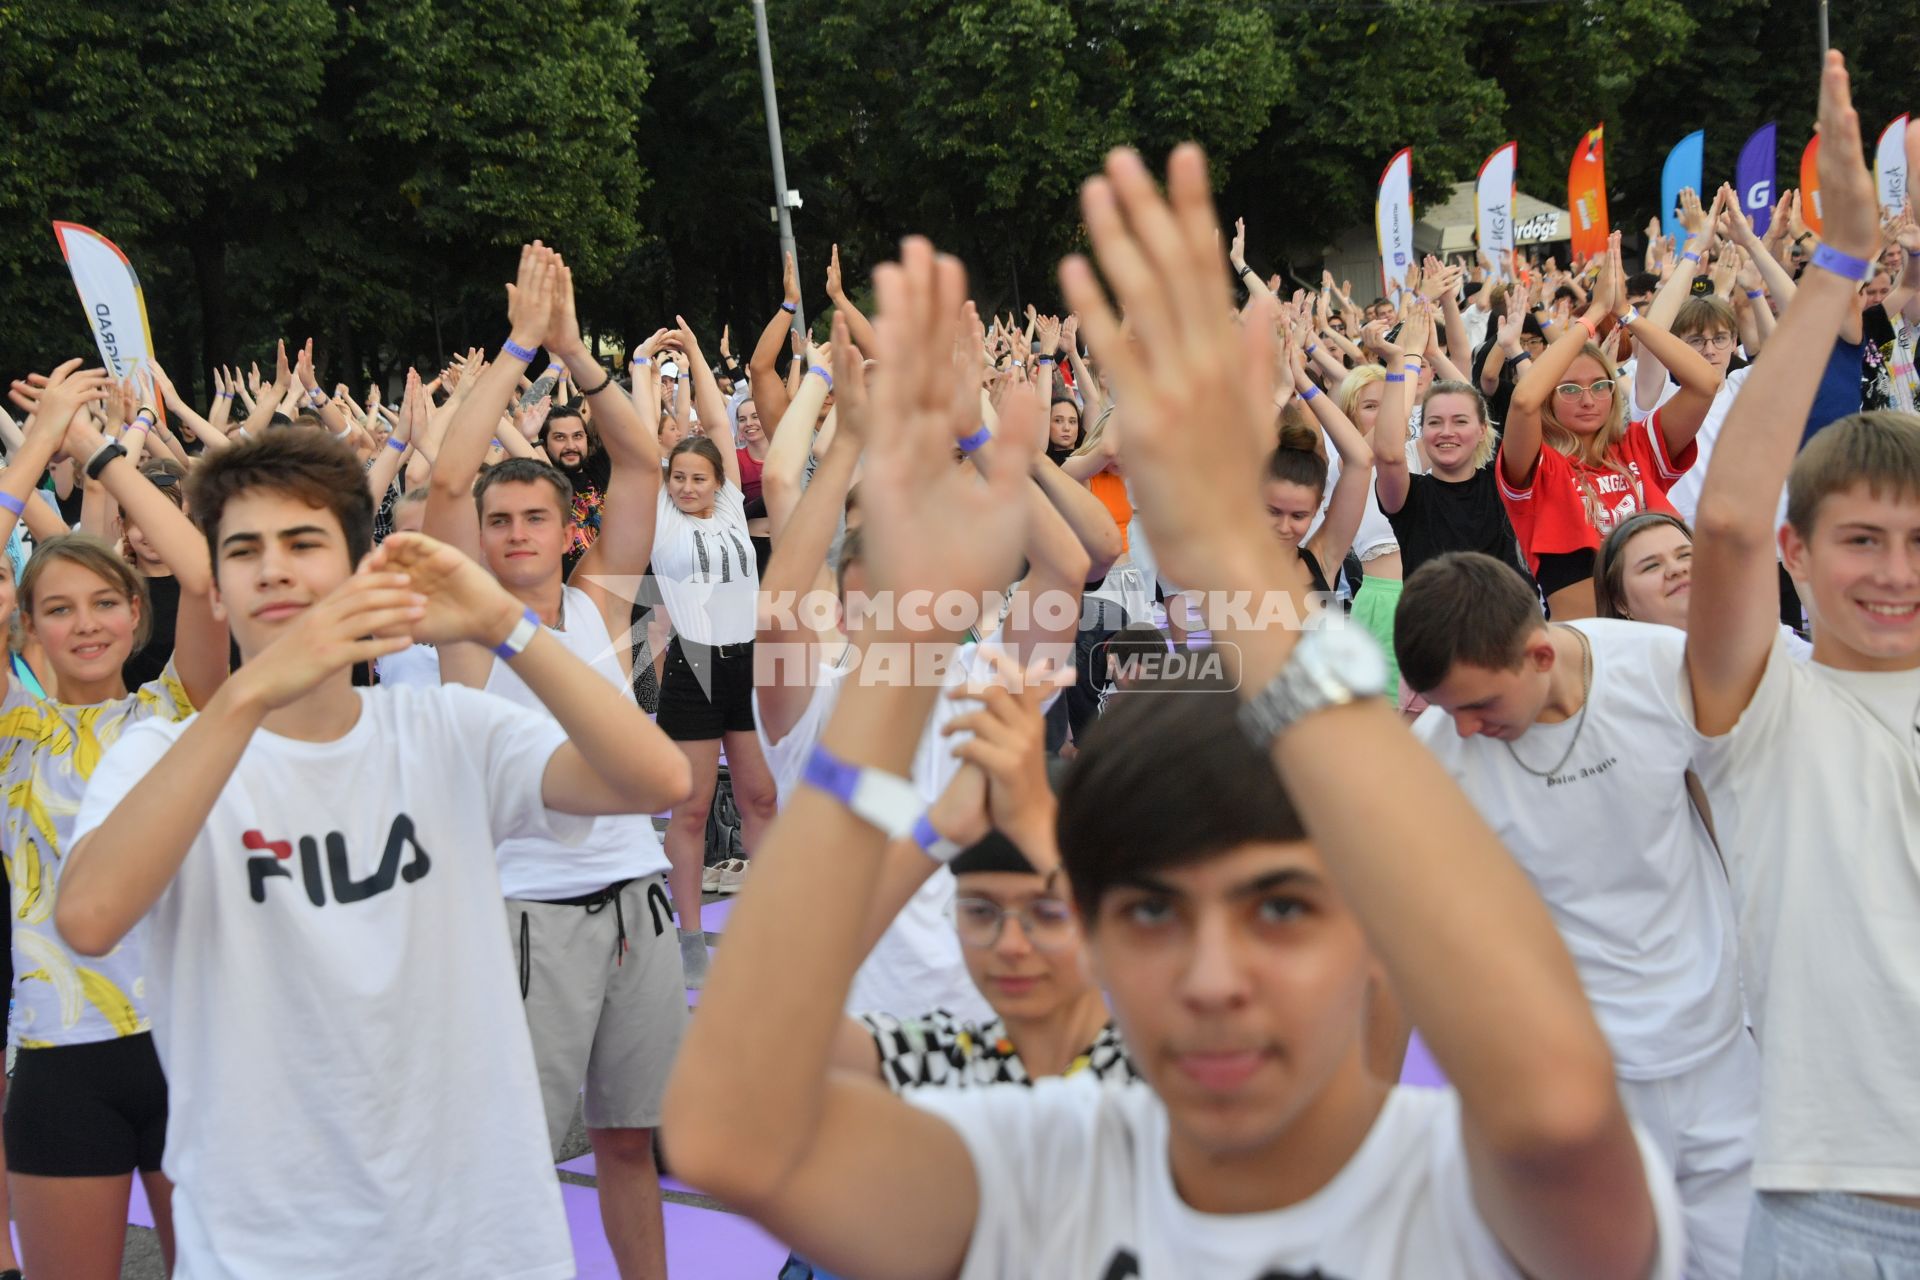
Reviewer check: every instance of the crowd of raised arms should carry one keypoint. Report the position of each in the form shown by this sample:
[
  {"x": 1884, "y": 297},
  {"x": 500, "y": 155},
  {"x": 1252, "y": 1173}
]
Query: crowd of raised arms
[{"x": 1139, "y": 725}]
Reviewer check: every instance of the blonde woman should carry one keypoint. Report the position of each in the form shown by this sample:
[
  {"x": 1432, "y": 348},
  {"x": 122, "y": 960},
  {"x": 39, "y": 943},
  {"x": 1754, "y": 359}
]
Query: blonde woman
[{"x": 1570, "y": 467}]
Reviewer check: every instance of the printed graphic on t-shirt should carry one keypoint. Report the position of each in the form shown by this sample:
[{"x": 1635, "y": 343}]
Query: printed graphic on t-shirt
[
  {"x": 274, "y": 858},
  {"x": 1124, "y": 1266}
]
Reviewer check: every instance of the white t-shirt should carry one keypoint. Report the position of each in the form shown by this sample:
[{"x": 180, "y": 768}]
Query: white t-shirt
[
  {"x": 1074, "y": 1180},
  {"x": 706, "y": 569},
  {"x": 352, "y": 1089},
  {"x": 1685, "y": 493},
  {"x": 622, "y": 846},
  {"x": 1816, "y": 798},
  {"x": 916, "y": 965},
  {"x": 1375, "y": 536},
  {"x": 418, "y": 666},
  {"x": 1618, "y": 852}
]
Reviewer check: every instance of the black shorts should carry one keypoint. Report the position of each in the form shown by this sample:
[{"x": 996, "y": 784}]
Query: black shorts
[
  {"x": 707, "y": 691},
  {"x": 87, "y": 1110}
]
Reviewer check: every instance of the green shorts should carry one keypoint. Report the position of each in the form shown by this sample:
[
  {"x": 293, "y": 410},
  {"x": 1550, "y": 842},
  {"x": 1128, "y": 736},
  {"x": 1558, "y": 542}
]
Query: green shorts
[{"x": 1373, "y": 606}]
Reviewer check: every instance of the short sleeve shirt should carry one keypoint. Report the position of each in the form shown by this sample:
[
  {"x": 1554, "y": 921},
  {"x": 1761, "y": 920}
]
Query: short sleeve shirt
[
  {"x": 1570, "y": 506},
  {"x": 939, "y": 1050}
]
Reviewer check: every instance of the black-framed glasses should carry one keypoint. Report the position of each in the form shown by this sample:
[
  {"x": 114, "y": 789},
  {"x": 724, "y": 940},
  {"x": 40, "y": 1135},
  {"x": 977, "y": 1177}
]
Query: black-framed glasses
[
  {"x": 1046, "y": 922},
  {"x": 1599, "y": 389},
  {"x": 1702, "y": 342}
]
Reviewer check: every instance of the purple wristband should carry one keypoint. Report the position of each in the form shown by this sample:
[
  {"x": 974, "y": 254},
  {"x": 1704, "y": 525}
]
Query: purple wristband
[
  {"x": 831, "y": 774},
  {"x": 1844, "y": 265},
  {"x": 814, "y": 368},
  {"x": 520, "y": 637},
  {"x": 13, "y": 504},
  {"x": 791, "y": 308},
  {"x": 1396, "y": 377},
  {"x": 395, "y": 442},
  {"x": 1756, "y": 293},
  {"x": 1306, "y": 397},
  {"x": 972, "y": 443},
  {"x": 640, "y": 360},
  {"x": 1690, "y": 256},
  {"x": 523, "y": 354}
]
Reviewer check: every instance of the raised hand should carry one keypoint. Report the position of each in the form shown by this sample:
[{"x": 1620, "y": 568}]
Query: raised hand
[
  {"x": 1008, "y": 744},
  {"x": 563, "y": 340},
  {"x": 1195, "y": 395},
  {"x": 54, "y": 398},
  {"x": 460, "y": 600},
  {"x": 834, "y": 292},
  {"x": 1692, "y": 216},
  {"x": 935, "y": 526},
  {"x": 790, "y": 281},
  {"x": 1511, "y": 324},
  {"x": 534, "y": 416},
  {"x": 726, "y": 337},
  {"x": 1237, "y": 254},
  {"x": 1046, "y": 335},
  {"x": 1849, "y": 205},
  {"x": 849, "y": 387},
  {"x": 530, "y": 301},
  {"x": 369, "y": 616},
  {"x": 303, "y": 368}
]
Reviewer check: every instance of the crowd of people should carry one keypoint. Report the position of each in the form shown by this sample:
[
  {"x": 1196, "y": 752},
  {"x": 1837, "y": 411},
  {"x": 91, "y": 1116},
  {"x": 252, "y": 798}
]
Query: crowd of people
[{"x": 1138, "y": 724}]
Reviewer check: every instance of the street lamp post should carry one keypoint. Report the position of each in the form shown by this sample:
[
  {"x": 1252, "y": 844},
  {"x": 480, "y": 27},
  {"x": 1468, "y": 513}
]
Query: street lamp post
[{"x": 783, "y": 199}]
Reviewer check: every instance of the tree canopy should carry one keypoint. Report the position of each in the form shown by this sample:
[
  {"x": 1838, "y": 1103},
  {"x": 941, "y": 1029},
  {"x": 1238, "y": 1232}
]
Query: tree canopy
[{"x": 365, "y": 172}]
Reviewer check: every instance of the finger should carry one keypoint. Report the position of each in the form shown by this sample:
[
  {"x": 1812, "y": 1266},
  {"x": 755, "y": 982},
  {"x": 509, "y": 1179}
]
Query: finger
[
  {"x": 998, "y": 761},
  {"x": 1138, "y": 245}
]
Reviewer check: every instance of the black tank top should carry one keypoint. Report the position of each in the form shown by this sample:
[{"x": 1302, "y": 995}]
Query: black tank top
[{"x": 1313, "y": 571}]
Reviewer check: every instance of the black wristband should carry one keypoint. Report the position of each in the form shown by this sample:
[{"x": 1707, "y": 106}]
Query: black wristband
[
  {"x": 594, "y": 391},
  {"x": 102, "y": 456}
]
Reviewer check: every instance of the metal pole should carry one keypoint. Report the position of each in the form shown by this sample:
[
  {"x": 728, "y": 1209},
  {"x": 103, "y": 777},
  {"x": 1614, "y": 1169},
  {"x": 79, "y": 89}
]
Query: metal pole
[
  {"x": 779, "y": 157},
  {"x": 1825, "y": 40}
]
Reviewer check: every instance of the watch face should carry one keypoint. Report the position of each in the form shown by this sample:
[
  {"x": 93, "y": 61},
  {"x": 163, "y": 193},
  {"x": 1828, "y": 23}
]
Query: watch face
[{"x": 1351, "y": 656}]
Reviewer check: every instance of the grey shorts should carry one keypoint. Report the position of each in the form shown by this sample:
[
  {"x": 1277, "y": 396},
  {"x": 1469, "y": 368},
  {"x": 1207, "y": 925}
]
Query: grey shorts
[
  {"x": 601, "y": 1015},
  {"x": 1828, "y": 1236}
]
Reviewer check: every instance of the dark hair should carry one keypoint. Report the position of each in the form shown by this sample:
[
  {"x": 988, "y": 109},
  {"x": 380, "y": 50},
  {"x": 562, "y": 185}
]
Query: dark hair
[
  {"x": 1610, "y": 568},
  {"x": 1060, "y": 453},
  {"x": 706, "y": 449},
  {"x": 523, "y": 471},
  {"x": 300, "y": 462},
  {"x": 1642, "y": 282},
  {"x": 853, "y": 549},
  {"x": 1296, "y": 460},
  {"x": 561, "y": 413},
  {"x": 1125, "y": 814},
  {"x": 1128, "y": 646},
  {"x": 1462, "y": 607}
]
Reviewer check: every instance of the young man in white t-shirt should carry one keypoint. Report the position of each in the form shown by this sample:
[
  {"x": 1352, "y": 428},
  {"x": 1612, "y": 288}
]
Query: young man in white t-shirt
[
  {"x": 1813, "y": 769},
  {"x": 1235, "y": 942},
  {"x": 598, "y": 961},
  {"x": 1571, "y": 742},
  {"x": 353, "y": 1092}
]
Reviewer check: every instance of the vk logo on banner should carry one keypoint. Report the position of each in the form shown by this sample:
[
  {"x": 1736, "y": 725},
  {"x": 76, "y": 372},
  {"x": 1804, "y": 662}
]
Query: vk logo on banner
[{"x": 1753, "y": 177}]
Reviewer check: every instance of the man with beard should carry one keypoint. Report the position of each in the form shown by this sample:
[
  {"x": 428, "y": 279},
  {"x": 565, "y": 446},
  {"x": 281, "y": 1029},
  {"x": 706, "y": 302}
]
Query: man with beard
[{"x": 573, "y": 447}]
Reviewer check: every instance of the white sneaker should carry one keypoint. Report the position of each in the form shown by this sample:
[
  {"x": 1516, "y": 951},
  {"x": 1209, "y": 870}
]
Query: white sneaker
[
  {"x": 733, "y": 874},
  {"x": 710, "y": 878}
]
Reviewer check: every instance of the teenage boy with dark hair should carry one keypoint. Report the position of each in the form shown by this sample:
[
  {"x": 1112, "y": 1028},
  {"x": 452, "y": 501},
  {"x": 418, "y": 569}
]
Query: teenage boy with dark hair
[
  {"x": 600, "y": 970},
  {"x": 333, "y": 1005},
  {"x": 1571, "y": 741},
  {"x": 1813, "y": 768},
  {"x": 1237, "y": 964}
]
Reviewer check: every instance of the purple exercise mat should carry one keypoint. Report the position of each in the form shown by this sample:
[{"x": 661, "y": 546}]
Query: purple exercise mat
[
  {"x": 1419, "y": 1067},
  {"x": 700, "y": 1242}
]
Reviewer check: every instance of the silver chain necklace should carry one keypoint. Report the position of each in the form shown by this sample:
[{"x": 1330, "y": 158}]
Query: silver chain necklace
[{"x": 1586, "y": 700}]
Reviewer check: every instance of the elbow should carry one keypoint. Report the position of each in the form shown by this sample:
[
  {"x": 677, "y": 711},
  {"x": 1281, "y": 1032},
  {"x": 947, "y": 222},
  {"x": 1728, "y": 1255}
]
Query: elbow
[
  {"x": 1723, "y": 521},
  {"x": 80, "y": 926},
  {"x": 710, "y": 1151},
  {"x": 1569, "y": 1107},
  {"x": 664, "y": 783}
]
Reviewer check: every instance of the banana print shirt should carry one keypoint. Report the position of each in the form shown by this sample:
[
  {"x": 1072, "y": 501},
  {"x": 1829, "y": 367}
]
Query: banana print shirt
[{"x": 48, "y": 751}]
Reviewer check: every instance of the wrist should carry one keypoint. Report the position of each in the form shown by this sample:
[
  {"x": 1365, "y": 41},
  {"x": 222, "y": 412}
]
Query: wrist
[
  {"x": 501, "y": 619},
  {"x": 519, "y": 345}
]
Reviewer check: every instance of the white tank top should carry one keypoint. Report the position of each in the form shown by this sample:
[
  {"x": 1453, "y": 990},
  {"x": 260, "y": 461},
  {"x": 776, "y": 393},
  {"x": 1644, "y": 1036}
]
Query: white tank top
[{"x": 620, "y": 847}]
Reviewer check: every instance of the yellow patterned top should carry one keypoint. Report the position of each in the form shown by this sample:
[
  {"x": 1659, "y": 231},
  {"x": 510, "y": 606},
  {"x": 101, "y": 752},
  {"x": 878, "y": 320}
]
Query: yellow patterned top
[{"x": 48, "y": 751}]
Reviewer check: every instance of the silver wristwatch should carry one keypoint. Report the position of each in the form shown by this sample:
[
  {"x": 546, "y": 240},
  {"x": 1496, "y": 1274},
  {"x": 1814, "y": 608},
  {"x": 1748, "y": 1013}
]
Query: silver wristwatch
[{"x": 1328, "y": 668}]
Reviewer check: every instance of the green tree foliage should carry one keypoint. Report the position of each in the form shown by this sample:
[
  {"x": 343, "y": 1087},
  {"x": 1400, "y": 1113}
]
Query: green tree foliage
[{"x": 363, "y": 171}]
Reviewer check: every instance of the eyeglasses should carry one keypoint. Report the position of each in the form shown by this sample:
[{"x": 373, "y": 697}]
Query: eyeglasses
[
  {"x": 1046, "y": 922},
  {"x": 1598, "y": 390},
  {"x": 1700, "y": 341}
]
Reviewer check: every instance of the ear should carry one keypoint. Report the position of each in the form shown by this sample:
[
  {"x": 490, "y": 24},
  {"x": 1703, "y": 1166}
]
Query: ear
[
  {"x": 1793, "y": 554},
  {"x": 1539, "y": 650}
]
